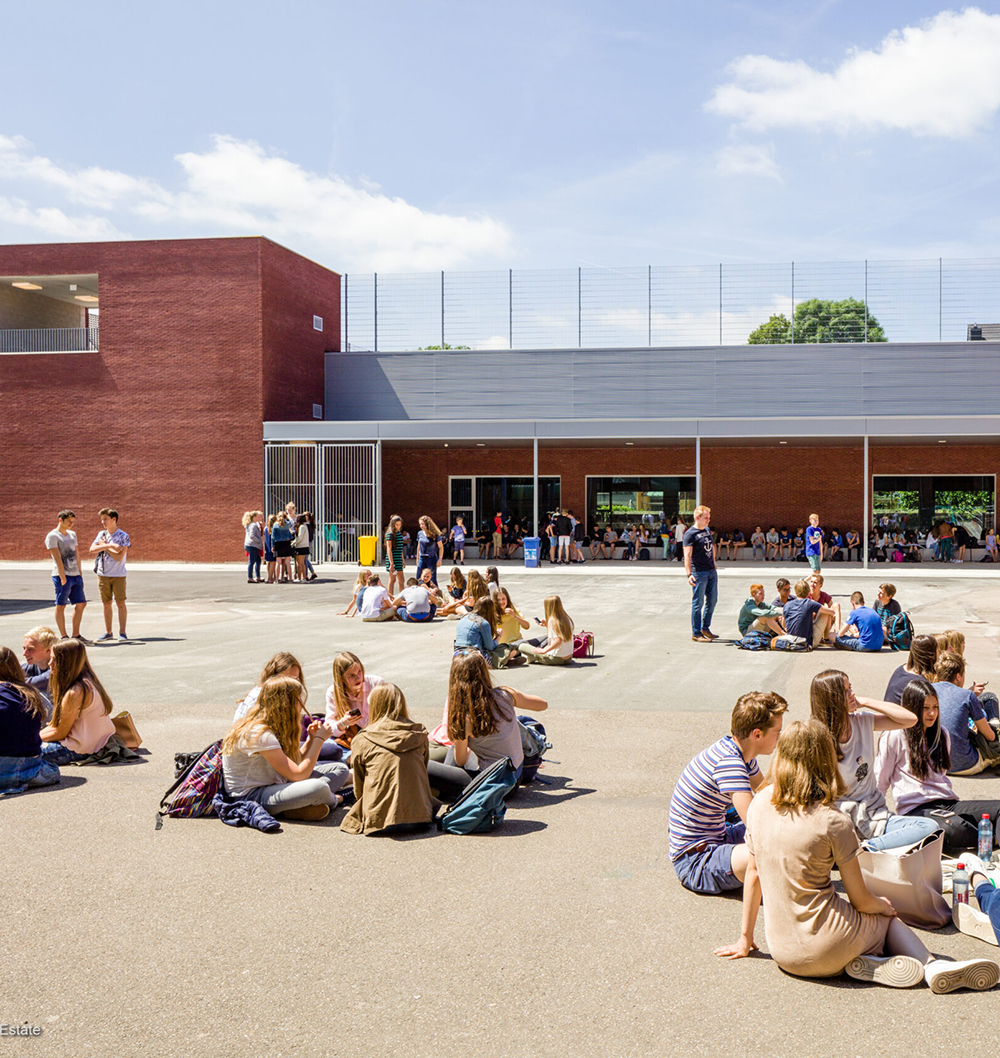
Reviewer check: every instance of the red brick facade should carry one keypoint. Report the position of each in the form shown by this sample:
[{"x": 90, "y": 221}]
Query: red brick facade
[
  {"x": 744, "y": 486},
  {"x": 201, "y": 340}
]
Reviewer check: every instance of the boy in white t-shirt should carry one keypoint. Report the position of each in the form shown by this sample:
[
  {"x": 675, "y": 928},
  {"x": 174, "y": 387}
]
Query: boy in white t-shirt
[
  {"x": 62, "y": 545},
  {"x": 376, "y": 605}
]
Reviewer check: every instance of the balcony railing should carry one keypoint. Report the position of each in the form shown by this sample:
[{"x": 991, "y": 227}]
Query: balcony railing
[{"x": 50, "y": 340}]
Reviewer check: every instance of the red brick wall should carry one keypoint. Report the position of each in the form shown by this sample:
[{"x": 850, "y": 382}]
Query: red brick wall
[
  {"x": 745, "y": 487},
  {"x": 163, "y": 423},
  {"x": 294, "y": 290}
]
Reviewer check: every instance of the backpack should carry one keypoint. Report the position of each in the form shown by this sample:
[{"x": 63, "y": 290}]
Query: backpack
[
  {"x": 583, "y": 644},
  {"x": 534, "y": 744},
  {"x": 480, "y": 807},
  {"x": 755, "y": 641},
  {"x": 192, "y": 792},
  {"x": 899, "y": 632},
  {"x": 839, "y": 556},
  {"x": 643, "y": 554}
]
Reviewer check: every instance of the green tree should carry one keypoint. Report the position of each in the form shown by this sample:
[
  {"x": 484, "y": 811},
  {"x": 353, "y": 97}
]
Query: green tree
[
  {"x": 429, "y": 348},
  {"x": 817, "y": 320}
]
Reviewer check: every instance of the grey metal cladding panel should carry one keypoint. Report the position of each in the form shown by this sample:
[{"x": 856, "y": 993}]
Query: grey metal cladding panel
[
  {"x": 355, "y": 388},
  {"x": 924, "y": 380}
]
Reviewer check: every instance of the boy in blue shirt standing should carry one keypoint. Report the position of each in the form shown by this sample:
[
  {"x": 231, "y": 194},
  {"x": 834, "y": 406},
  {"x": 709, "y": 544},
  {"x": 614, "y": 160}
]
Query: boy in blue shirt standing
[
  {"x": 814, "y": 543},
  {"x": 863, "y": 628}
]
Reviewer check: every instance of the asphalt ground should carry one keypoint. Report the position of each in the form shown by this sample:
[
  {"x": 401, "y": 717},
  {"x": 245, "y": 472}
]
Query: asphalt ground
[{"x": 565, "y": 932}]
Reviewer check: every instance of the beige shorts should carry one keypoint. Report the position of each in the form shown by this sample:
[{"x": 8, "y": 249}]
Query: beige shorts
[
  {"x": 498, "y": 539},
  {"x": 112, "y": 587}
]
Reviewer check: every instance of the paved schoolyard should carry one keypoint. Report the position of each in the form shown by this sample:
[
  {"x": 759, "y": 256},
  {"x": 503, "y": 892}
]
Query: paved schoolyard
[{"x": 564, "y": 933}]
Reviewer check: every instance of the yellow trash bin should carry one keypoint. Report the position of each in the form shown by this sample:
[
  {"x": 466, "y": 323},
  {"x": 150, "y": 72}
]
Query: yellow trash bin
[{"x": 367, "y": 547}]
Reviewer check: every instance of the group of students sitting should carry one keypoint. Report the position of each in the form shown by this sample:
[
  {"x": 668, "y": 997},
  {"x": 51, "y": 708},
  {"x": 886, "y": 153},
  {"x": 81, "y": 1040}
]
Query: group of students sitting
[
  {"x": 53, "y": 710},
  {"x": 811, "y": 618},
  {"x": 488, "y": 620},
  {"x": 822, "y": 802},
  {"x": 366, "y": 750}
]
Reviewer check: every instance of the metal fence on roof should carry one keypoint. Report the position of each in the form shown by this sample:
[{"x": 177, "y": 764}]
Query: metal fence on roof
[{"x": 911, "y": 301}]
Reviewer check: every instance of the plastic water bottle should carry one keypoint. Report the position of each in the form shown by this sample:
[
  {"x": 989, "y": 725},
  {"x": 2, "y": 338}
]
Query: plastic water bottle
[
  {"x": 985, "y": 838},
  {"x": 959, "y": 886}
]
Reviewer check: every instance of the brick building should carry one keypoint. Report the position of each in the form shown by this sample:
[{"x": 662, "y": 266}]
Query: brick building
[{"x": 156, "y": 407}]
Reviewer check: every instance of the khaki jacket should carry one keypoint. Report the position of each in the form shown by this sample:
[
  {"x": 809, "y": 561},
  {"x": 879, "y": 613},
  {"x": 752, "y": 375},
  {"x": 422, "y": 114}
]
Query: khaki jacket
[{"x": 389, "y": 760}]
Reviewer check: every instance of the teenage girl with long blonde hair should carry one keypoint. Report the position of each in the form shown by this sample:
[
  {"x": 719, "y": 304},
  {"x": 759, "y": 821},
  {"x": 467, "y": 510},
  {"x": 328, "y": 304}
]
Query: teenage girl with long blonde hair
[
  {"x": 280, "y": 664},
  {"x": 359, "y": 587},
  {"x": 263, "y": 759},
  {"x": 81, "y": 724},
  {"x": 556, "y": 647}
]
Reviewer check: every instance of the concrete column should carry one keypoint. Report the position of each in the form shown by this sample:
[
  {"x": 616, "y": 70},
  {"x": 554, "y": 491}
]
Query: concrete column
[
  {"x": 697, "y": 471},
  {"x": 867, "y": 515},
  {"x": 534, "y": 491}
]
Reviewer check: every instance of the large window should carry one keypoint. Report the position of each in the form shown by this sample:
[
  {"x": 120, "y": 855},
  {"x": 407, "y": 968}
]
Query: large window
[
  {"x": 920, "y": 502},
  {"x": 478, "y": 499},
  {"x": 622, "y": 501}
]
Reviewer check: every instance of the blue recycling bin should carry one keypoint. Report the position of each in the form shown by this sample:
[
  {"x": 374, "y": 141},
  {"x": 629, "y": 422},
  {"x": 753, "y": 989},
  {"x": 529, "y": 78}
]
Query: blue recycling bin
[{"x": 531, "y": 551}]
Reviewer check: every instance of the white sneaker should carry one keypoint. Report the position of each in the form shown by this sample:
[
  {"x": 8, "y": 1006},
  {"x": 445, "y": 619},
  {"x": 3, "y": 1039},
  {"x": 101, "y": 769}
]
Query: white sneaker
[
  {"x": 896, "y": 971},
  {"x": 974, "y": 863},
  {"x": 972, "y": 921},
  {"x": 943, "y": 976}
]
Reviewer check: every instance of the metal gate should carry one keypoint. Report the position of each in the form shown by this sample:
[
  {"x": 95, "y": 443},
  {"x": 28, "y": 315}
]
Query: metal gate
[{"x": 339, "y": 483}]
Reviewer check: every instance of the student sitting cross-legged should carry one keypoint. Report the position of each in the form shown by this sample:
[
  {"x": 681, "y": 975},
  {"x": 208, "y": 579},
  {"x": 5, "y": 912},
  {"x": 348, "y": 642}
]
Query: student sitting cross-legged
[
  {"x": 708, "y": 854},
  {"x": 389, "y": 763},
  {"x": 757, "y": 616},
  {"x": 795, "y": 836},
  {"x": 414, "y": 603},
  {"x": 263, "y": 760},
  {"x": 800, "y": 616},
  {"x": 22, "y": 713},
  {"x": 863, "y": 628}
]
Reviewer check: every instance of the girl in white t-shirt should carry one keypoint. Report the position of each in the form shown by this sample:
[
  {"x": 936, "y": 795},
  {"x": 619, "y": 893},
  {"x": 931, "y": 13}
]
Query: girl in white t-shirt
[
  {"x": 853, "y": 722},
  {"x": 263, "y": 759},
  {"x": 347, "y": 704},
  {"x": 556, "y": 648}
]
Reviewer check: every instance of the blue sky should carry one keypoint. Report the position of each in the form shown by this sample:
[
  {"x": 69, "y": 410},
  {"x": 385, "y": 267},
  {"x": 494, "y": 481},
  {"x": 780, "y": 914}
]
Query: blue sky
[{"x": 413, "y": 137}]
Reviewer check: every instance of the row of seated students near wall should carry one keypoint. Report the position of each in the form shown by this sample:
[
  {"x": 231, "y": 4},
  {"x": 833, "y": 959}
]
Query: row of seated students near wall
[
  {"x": 821, "y": 803},
  {"x": 366, "y": 751},
  {"x": 810, "y": 618}
]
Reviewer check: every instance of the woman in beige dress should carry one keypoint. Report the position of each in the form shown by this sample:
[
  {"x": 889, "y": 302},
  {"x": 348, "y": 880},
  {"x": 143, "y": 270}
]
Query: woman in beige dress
[{"x": 795, "y": 836}]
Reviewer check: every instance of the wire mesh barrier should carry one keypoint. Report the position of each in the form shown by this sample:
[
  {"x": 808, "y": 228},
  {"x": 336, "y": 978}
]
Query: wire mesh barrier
[
  {"x": 50, "y": 340},
  {"x": 849, "y": 301},
  {"x": 338, "y": 483}
]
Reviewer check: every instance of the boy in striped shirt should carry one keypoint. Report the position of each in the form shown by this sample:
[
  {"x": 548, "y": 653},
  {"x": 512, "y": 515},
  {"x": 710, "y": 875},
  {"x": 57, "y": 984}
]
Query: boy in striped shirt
[{"x": 709, "y": 854}]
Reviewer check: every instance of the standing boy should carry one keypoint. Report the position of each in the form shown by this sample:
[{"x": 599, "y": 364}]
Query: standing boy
[
  {"x": 458, "y": 538},
  {"x": 814, "y": 543},
  {"x": 111, "y": 545},
  {"x": 710, "y": 855},
  {"x": 699, "y": 565},
  {"x": 62, "y": 545}
]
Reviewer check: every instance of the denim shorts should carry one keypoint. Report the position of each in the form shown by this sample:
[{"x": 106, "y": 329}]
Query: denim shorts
[
  {"x": 70, "y": 592},
  {"x": 709, "y": 870}
]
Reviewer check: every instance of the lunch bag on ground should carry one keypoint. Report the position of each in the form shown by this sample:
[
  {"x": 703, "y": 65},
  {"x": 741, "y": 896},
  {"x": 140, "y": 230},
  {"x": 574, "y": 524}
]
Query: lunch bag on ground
[
  {"x": 583, "y": 644},
  {"x": 480, "y": 807},
  {"x": 192, "y": 792},
  {"x": 534, "y": 744},
  {"x": 899, "y": 632}
]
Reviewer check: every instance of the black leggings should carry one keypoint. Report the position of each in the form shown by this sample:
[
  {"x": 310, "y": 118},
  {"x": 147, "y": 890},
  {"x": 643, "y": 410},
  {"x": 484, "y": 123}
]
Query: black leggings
[
  {"x": 961, "y": 825},
  {"x": 448, "y": 780}
]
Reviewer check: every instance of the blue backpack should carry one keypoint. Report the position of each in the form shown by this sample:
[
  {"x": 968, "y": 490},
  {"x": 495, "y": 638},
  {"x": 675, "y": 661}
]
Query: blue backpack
[
  {"x": 480, "y": 807},
  {"x": 755, "y": 641},
  {"x": 899, "y": 632}
]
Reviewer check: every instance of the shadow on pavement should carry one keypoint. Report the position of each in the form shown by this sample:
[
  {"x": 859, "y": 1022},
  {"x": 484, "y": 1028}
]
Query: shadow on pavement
[{"x": 13, "y": 606}]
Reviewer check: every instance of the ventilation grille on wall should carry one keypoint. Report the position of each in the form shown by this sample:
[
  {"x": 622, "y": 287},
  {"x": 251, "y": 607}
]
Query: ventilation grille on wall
[
  {"x": 317, "y": 411},
  {"x": 317, "y": 323}
]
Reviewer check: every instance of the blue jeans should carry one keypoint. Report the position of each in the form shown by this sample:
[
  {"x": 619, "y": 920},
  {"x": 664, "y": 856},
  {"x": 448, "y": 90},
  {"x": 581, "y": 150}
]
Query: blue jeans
[
  {"x": 56, "y": 753},
  {"x": 704, "y": 596},
  {"x": 427, "y": 563},
  {"x": 709, "y": 870},
  {"x": 989, "y": 904},
  {"x": 404, "y": 615},
  {"x": 852, "y": 643},
  {"x": 902, "y": 830},
  {"x": 253, "y": 563}
]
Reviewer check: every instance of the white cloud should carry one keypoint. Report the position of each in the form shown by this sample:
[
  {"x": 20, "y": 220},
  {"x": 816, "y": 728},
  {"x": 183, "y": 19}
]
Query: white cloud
[
  {"x": 747, "y": 159},
  {"x": 236, "y": 187},
  {"x": 940, "y": 78}
]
